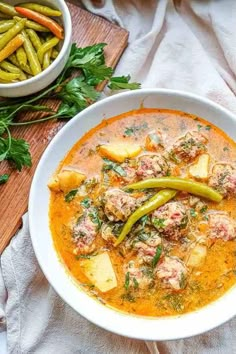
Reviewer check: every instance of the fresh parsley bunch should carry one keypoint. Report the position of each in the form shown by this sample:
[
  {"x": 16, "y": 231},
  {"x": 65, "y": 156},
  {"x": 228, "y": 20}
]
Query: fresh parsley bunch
[{"x": 75, "y": 92}]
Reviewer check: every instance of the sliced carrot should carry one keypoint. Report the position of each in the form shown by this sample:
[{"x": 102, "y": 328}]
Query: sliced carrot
[
  {"x": 43, "y": 20},
  {"x": 11, "y": 47}
]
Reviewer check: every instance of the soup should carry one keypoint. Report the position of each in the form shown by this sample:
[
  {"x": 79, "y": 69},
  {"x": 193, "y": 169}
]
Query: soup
[{"x": 142, "y": 212}]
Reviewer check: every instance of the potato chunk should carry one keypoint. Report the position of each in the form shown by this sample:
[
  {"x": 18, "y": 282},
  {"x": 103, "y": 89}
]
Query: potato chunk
[
  {"x": 201, "y": 168},
  {"x": 197, "y": 255},
  {"x": 100, "y": 272},
  {"x": 66, "y": 180},
  {"x": 119, "y": 151}
]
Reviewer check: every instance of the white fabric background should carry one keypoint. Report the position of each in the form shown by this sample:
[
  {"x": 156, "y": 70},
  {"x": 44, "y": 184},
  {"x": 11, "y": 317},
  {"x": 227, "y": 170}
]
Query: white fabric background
[{"x": 187, "y": 45}]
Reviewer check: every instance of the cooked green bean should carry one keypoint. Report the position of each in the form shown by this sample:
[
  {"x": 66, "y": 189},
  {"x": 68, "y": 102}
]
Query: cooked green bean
[
  {"x": 46, "y": 46},
  {"x": 31, "y": 55},
  {"x": 12, "y": 32},
  {"x": 32, "y": 25},
  {"x": 44, "y": 10},
  {"x": 21, "y": 56},
  {"x": 13, "y": 69},
  {"x": 46, "y": 59},
  {"x": 54, "y": 53},
  {"x": 155, "y": 202},
  {"x": 5, "y": 25},
  {"x": 181, "y": 184},
  {"x": 8, "y": 9},
  {"x": 34, "y": 38},
  {"x": 8, "y": 76}
]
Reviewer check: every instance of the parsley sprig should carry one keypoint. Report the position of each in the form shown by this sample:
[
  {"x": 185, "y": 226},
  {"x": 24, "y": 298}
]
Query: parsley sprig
[{"x": 75, "y": 88}]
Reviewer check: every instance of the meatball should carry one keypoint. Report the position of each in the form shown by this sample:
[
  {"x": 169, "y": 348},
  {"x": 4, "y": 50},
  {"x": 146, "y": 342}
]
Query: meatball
[
  {"x": 118, "y": 205},
  {"x": 189, "y": 146},
  {"x": 130, "y": 172},
  {"x": 137, "y": 277},
  {"x": 150, "y": 166},
  {"x": 84, "y": 233},
  {"x": 172, "y": 271},
  {"x": 221, "y": 226},
  {"x": 147, "y": 250},
  {"x": 223, "y": 178},
  {"x": 171, "y": 220}
]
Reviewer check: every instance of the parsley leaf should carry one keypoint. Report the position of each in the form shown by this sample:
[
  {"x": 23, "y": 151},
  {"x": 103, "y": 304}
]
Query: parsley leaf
[
  {"x": 71, "y": 195},
  {"x": 86, "y": 203},
  {"x": 110, "y": 165},
  {"x": 4, "y": 178},
  {"x": 127, "y": 280},
  {"x": 15, "y": 150},
  {"x": 122, "y": 83},
  {"x": 157, "y": 256}
]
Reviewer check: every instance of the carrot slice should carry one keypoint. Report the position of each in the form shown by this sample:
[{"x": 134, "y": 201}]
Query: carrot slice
[{"x": 43, "y": 20}]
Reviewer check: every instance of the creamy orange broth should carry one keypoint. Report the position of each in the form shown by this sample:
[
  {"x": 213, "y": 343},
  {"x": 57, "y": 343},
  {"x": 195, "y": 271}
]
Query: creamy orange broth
[{"x": 206, "y": 283}]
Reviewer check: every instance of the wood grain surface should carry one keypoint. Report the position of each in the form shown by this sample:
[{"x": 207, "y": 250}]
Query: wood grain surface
[{"x": 88, "y": 29}]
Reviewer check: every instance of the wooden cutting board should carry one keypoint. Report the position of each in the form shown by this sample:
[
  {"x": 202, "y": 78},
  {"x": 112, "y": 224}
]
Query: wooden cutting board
[{"x": 88, "y": 29}]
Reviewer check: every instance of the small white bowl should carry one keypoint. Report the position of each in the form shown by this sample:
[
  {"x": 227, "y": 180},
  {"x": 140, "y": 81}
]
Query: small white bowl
[
  {"x": 46, "y": 77},
  {"x": 164, "y": 328}
]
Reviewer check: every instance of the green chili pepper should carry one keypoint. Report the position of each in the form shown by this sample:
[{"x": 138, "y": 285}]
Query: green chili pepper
[
  {"x": 14, "y": 61},
  {"x": 7, "y": 9},
  {"x": 47, "y": 59},
  {"x": 11, "y": 33},
  {"x": 5, "y": 25},
  {"x": 181, "y": 184},
  {"x": 34, "y": 38},
  {"x": 8, "y": 76},
  {"x": 46, "y": 47},
  {"x": 21, "y": 56},
  {"x": 54, "y": 53},
  {"x": 32, "y": 25},
  {"x": 44, "y": 10},
  {"x": 31, "y": 55},
  {"x": 13, "y": 69},
  {"x": 155, "y": 202}
]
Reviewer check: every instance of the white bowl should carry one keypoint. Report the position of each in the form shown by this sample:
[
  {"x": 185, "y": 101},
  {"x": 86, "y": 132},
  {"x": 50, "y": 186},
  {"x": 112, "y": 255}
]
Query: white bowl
[
  {"x": 165, "y": 328},
  {"x": 46, "y": 77}
]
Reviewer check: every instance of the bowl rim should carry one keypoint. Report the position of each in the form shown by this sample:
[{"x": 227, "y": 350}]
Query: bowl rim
[
  {"x": 66, "y": 44},
  {"x": 122, "y": 323}
]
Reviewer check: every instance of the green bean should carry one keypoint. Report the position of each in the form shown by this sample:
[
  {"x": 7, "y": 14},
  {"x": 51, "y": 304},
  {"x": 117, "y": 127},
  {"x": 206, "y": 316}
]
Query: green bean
[
  {"x": 5, "y": 25},
  {"x": 11, "y": 33},
  {"x": 34, "y": 38},
  {"x": 54, "y": 53},
  {"x": 46, "y": 46},
  {"x": 13, "y": 69},
  {"x": 44, "y": 10},
  {"x": 8, "y": 76},
  {"x": 8, "y": 9},
  {"x": 181, "y": 184},
  {"x": 155, "y": 202},
  {"x": 33, "y": 25},
  {"x": 21, "y": 56},
  {"x": 31, "y": 55},
  {"x": 46, "y": 59},
  {"x": 14, "y": 61}
]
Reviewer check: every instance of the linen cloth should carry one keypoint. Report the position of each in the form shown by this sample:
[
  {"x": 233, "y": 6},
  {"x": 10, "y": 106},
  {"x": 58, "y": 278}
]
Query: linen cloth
[{"x": 187, "y": 45}]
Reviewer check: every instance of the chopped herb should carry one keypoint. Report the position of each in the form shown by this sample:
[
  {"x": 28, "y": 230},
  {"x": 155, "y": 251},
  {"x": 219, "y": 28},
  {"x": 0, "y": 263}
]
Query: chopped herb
[
  {"x": 199, "y": 126},
  {"x": 4, "y": 178},
  {"x": 136, "y": 284},
  {"x": 157, "y": 256},
  {"x": 85, "y": 256},
  {"x": 183, "y": 281},
  {"x": 159, "y": 223},
  {"x": 206, "y": 217},
  {"x": 135, "y": 128},
  {"x": 86, "y": 203},
  {"x": 148, "y": 271},
  {"x": 110, "y": 165},
  {"x": 173, "y": 157},
  {"x": 93, "y": 213},
  {"x": 91, "y": 286},
  {"x": 203, "y": 209},
  {"x": 193, "y": 213},
  {"x": 225, "y": 148},
  {"x": 207, "y": 127},
  {"x": 184, "y": 222},
  {"x": 127, "y": 280},
  {"x": 143, "y": 236},
  {"x": 144, "y": 220},
  {"x": 128, "y": 297},
  {"x": 175, "y": 300},
  {"x": 71, "y": 195}
]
